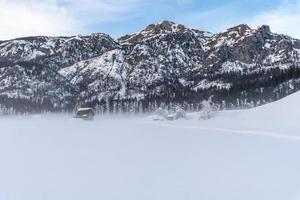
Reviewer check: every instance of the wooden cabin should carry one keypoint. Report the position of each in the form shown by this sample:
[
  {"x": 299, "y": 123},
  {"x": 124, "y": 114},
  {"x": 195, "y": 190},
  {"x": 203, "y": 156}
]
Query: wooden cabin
[{"x": 85, "y": 113}]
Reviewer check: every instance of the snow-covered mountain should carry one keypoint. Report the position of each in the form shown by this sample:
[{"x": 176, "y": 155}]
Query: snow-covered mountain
[{"x": 166, "y": 63}]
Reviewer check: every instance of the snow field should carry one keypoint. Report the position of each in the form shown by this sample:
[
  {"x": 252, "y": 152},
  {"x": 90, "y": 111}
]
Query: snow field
[{"x": 250, "y": 154}]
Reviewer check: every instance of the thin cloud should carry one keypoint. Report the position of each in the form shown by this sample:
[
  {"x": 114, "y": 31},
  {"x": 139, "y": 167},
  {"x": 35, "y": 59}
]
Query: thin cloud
[
  {"x": 18, "y": 19},
  {"x": 103, "y": 11},
  {"x": 59, "y": 17},
  {"x": 103, "y": 5},
  {"x": 183, "y": 2},
  {"x": 285, "y": 19}
]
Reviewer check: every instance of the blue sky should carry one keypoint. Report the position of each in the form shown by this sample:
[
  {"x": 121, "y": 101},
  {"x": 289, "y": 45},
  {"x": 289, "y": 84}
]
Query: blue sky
[
  {"x": 210, "y": 15},
  {"x": 119, "y": 17}
]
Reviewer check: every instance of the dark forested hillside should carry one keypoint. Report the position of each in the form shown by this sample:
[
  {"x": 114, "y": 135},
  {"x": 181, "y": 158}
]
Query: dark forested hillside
[{"x": 165, "y": 64}]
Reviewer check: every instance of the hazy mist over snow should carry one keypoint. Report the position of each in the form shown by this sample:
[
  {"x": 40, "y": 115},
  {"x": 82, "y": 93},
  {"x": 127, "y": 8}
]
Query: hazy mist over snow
[{"x": 250, "y": 154}]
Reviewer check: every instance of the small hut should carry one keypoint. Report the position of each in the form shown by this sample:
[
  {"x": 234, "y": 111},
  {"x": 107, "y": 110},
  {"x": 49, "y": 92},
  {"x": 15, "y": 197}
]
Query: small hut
[{"x": 85, "y": 113}]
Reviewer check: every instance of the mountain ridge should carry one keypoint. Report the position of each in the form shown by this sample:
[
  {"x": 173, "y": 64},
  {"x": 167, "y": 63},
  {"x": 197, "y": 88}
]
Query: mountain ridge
[{"x": 163, "y": 65}]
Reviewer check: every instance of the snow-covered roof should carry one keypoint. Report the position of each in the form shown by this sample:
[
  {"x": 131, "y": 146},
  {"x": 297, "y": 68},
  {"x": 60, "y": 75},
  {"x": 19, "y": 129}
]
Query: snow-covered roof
[{"x": 84, "y": 109}]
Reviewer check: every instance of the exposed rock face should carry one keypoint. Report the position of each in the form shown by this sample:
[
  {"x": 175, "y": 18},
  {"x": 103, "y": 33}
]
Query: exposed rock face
[{"x": 165, "y": 63}]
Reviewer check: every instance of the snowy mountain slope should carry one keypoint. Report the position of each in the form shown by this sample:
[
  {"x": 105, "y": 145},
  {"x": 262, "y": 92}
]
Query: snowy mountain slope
[
  {"x": 260, "y": 47},
  {"x": 283, "y": 109},
  {"x": 31, "y": 88},
  {"x": 166, "y": 63},
  {"x": 69, "y": 49},
  {"x": 29, "y": 70},
  {"x": 103, "y": 76},
  {"x": 276, "y": 120}
]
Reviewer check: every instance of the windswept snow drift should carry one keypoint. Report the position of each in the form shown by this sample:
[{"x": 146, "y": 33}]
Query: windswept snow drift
[{"x": 250, "y": 154}]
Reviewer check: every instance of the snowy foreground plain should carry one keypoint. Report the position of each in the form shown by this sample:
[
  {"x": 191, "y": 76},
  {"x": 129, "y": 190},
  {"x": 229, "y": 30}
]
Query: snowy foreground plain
[{"x": 239, "y": 155}]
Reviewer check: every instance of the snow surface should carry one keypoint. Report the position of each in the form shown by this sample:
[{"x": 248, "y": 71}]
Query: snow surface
[{"x": 249, "y": 154}]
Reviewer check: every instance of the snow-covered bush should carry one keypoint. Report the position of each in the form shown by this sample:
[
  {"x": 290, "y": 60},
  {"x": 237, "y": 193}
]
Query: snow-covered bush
[
  {"x": 174, "y": 114},
  {"x": 209, "y": 109},
  {"x": 159, "y": 115},
  {"x": 179, "y": 113},
  {"x": 161, "y": 112}
]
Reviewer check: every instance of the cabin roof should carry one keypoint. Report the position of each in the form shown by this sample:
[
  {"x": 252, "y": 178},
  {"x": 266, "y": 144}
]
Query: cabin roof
[{"x": 84, "y": 109}]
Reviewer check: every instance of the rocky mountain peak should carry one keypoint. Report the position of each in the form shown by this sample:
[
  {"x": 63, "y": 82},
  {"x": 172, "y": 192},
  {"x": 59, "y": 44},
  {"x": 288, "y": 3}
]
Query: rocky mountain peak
[
  {"x": 230, "y": 36},
  {"x": 166, "y": 27},
  {"x": 264, "y": 30},
  {"x": 152, "y": 30},
  {"x": 241, "y": 29}
]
